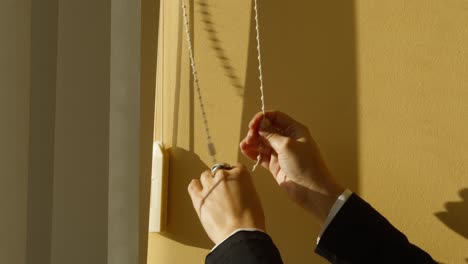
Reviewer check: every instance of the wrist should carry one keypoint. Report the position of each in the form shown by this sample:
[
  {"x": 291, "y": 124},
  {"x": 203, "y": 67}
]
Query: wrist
[
  {"x": 321, "y": 200},
  {"x": 221, "y": 236},
  {"x": 233, "y": 223}
]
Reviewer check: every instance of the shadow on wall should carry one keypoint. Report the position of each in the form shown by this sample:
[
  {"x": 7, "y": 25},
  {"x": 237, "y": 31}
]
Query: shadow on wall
[
  {"x": 183, "y": 225},
  {"x": 309, "y": 60},
  {"x": 455, "y": 216},
  {"x": 210, "y": 27},
  {"x": 310, "y": 73}
]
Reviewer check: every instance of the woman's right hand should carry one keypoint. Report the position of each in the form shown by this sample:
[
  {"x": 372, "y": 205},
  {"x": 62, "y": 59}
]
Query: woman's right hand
[{"x": 293, "y": 158}]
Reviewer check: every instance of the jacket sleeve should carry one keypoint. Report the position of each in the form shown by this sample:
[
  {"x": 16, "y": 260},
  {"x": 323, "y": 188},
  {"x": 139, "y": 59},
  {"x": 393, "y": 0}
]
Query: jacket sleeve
[
  {"x": 246, "y": 247},
  {"x": 359, "y": 234}
]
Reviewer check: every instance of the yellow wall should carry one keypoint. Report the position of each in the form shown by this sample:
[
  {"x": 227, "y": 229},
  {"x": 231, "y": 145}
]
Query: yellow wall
[
  {"x": 381, "y": 85},
  {"x": 413, "y": 93}
]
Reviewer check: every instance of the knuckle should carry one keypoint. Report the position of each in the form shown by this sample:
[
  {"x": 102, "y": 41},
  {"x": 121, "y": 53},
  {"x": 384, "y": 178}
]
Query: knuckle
[
  {"x": 205, "y": 174},
  {"x": 191, "y": 187},
  {"x": 222, "y": 174}
]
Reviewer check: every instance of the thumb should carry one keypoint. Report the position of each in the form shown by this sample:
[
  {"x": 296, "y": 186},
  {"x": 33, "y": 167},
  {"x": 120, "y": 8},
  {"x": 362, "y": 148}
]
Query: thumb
[{"x": 277, "y": 141}]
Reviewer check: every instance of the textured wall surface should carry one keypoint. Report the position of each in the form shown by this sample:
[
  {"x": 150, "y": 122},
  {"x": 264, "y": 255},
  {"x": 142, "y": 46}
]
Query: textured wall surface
[{"x": 413, "y": 105}]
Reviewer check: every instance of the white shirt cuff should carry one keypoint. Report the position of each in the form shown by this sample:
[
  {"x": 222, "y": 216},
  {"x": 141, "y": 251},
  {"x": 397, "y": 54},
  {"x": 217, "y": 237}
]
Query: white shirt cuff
[
  {"x": 334, "y": 210},
  {"x": 235, "y": 231}
]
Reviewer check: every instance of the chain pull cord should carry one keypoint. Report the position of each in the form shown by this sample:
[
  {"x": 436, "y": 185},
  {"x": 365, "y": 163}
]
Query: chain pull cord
[
  {"x": 260, "y": 77},
  {"x": 210, "y": 145},
  {"x": 211, "y": 148}
]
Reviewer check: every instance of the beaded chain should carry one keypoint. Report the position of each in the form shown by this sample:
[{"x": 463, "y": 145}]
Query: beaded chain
[{"x": 211, "y": 148}]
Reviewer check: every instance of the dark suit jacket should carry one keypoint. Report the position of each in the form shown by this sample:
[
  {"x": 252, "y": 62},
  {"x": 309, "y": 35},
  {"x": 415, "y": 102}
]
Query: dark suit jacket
[{"x": 357, "y": 234}]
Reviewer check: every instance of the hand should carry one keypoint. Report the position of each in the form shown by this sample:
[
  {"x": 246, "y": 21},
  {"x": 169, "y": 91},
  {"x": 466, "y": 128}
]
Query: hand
[
  {"x": 293, "y": 158},
  {"x": 226, "y": 202}
]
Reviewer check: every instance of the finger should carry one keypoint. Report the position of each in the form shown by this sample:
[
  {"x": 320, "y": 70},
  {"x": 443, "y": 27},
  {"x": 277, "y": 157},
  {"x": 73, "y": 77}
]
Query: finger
[
  {"x": 277, "y": 122},
  {"x": 249, "y": 150},
  {"x": 206, "y": 178},
  {"x": 256, "y": 121},
  {"x": 221, "y": 175},
  {"x": 252, "y": 138},
  {"x": 280, "y": 120},
  {"x": 278, "y": 142},
  {"x": 285, "y": 125},
  {"x": 264, "y": 160},
  {"x": 194, "y": 189},
  {"x": 250, "y": 153},
  {"x": 239, "y": 170}
]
